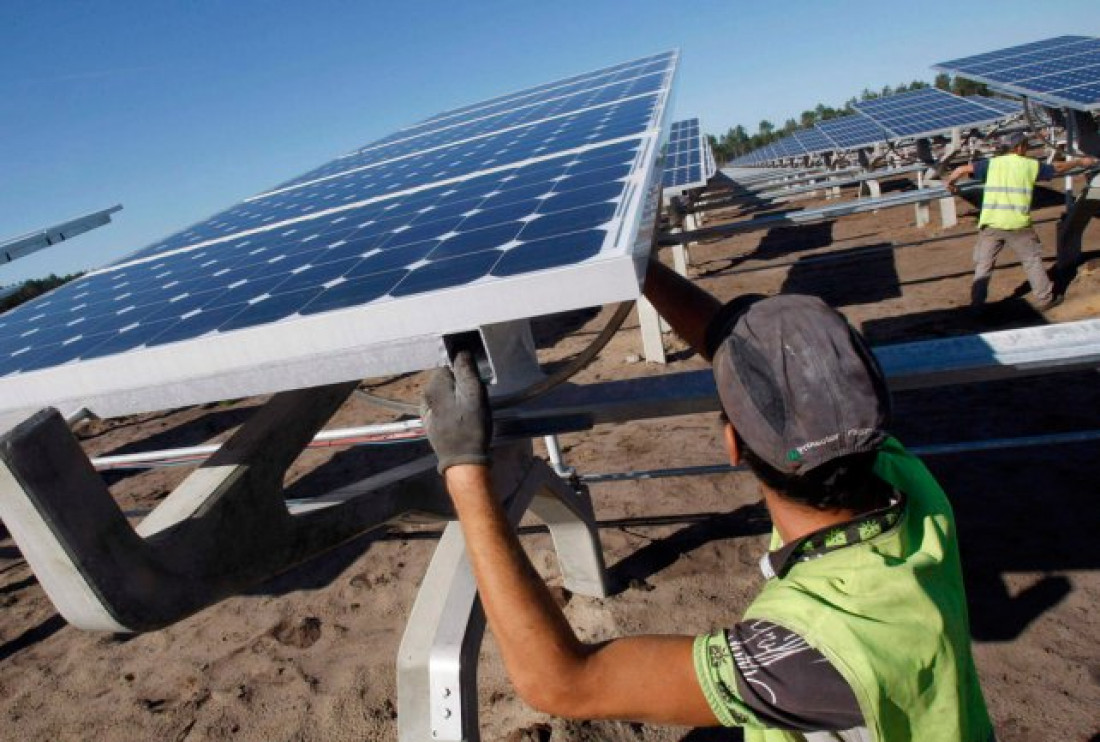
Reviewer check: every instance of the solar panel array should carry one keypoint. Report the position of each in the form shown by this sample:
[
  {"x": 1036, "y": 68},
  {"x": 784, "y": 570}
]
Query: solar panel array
[
  {"x": 1063, "y": 71},
  {"x": 853, "y": 131},
  {"x": 1004, "y": 106},
  {"x": 813, "y": 141},
  {"x": 689, "y": 162},
  {"x": 529, "y": 203},
  {"x": 916, "y": 113},
  {"x": 920, "y": 113}
]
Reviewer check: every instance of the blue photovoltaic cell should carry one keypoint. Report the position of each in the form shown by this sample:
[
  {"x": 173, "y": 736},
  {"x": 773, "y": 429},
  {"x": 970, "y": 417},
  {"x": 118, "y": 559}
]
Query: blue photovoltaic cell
[
  {"x": 417, "y": 141},
  {"x": 1004, "y": 106},
  {"x": 524, "y": 183},
  {"x": 813, "y": 141},
  {"x": 688, "y": 161},
  {"x": 785, "y": 147},
  {"x": 924, "y": 112},
  {"x": 851, "y": 132},
  {"x": 607, "y": 122},
  {"x": 559, "y": 87},
  {"x": 1063, "y": 71}
]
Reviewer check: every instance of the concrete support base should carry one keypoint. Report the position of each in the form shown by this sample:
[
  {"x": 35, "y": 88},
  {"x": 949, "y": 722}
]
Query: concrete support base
[
  {"x": 874, "y": 188},
  {"x": 228, "y": 527},
  {"x": 949, "y": 216},
  {"x": 224, "y": 529},
  {"x": 649, "y": 323},
  {"x": 921, "y": 211}
]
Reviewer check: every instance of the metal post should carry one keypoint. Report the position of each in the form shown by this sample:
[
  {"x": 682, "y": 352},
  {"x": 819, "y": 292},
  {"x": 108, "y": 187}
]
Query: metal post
[
  {"x": 437, "y": 659},
  {"x": 557, "y": 462},
  {"x": 1071, "y": 131}
]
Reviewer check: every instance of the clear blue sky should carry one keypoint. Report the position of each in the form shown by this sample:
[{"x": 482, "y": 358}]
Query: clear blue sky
[{"x": 179, "y": 109}]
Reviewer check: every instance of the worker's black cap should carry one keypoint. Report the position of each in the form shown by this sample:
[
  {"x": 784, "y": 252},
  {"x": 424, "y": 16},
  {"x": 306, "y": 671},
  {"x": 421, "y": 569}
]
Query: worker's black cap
[{"x": 798, "y": 383}]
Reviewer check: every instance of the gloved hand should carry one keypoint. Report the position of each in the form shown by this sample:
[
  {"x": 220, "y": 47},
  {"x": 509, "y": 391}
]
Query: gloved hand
[{"x": 456, "y": 413}]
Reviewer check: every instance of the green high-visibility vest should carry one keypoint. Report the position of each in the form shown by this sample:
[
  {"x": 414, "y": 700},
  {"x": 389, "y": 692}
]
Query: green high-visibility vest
[
  {"x": 890, "y": 615},
  {"x": 1009, "y": 183}
]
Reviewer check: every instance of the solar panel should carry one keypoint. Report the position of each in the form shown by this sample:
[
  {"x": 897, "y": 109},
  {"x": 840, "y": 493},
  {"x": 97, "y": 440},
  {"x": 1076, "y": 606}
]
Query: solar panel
[
  {"x": 924, "y": 112},
  {"x": 851, "y": 132},
  {"x": 689, "y": 162},
  {"x": 790, "y": 147},
  {"x": 709, "y": 164},
  {"x": 813, "y": 141},
  {"x": 535, "y": 202},
  {"x": 1004, "y": 106},
  {"x": 1063, "y": 71}
]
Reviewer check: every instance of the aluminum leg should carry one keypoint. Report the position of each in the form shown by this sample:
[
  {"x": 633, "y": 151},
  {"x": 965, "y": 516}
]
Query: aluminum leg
[{"x": 437, "y": 660}]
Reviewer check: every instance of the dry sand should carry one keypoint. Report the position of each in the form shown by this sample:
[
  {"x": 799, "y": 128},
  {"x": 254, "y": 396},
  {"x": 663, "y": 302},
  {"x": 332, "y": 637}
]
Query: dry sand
[{"x": 310, "y": 655}]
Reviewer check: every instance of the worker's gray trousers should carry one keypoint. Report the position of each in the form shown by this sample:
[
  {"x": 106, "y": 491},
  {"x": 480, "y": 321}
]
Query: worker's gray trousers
[{"x": 1025, "y": 243}]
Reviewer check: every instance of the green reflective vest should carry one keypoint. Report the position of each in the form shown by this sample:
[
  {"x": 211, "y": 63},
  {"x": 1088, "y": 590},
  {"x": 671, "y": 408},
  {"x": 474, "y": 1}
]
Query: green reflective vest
[
  {"x": 890, "y": 615},
  {"x": 1008, "y": 187}
]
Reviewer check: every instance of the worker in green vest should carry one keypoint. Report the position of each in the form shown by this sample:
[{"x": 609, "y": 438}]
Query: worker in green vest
[
  {"x": 1005, "y": 218},
  {"x": 860, "y": 631}
]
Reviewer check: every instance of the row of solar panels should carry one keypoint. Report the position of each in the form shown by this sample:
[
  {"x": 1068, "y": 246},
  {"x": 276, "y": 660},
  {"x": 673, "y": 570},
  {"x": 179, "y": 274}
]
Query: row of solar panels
[
  {"x": 918, "y": 113},
  {"x": 689, "y": 160},
  {"x": 1063, "y": 72},
  {"x": 1059, "y": 72}
]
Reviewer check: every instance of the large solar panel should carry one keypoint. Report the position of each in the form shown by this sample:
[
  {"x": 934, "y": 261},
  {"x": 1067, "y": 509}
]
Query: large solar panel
[
  {"x": 535, "y": 202},
  {"x": 1003, "y": 106},
  {"x": 1063, "y": 71},
  {"x": 813, "y": 141},
  {"x": 788, "y": 146},
  {"x": 919, "y": 113},
  {"x": 689, "y": 162},
  {"x": 852, "y": 132}
]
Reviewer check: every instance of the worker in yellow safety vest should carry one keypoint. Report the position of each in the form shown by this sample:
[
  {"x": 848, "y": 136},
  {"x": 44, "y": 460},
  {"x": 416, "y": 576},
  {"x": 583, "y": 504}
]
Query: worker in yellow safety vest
[{"x": 1005, "y": 218}]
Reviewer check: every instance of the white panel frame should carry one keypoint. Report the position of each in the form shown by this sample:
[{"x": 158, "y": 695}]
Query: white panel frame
[{"x": 383, "y": 337}]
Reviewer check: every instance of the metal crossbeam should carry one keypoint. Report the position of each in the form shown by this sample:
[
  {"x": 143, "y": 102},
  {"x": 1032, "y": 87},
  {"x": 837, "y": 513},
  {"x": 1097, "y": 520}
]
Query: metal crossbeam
[
  {"x": 1009, "y": 353},
  {"x": 794, "y": 179},
  {"x": 22, "y": 246},
  {"x": 808, "y": 216},
  {"x": 782, "y": 192},
  {"x": 1032, "y": 351}
]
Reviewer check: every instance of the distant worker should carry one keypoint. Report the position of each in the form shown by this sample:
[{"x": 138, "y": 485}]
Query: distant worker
[
  {"x": 1006, "y": 216},
  {"x": 860, "y": 631}
]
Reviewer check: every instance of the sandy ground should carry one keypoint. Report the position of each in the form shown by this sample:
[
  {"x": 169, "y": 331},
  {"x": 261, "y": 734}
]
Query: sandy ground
[{"x": 310, "y": 655}]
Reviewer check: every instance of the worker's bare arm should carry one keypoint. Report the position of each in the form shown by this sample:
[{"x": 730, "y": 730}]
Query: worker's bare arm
[
  {"x": 1074, "y": 162},
  {"x": 644, "y": 678},
  {"x": 961, "y": 171}
]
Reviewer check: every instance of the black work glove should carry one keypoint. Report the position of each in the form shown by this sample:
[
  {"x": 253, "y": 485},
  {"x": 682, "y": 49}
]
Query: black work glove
[{"x": 457, "y": 418}]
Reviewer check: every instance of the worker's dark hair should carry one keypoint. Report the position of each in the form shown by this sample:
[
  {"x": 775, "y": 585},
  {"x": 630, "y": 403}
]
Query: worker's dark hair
[{"x": 846, "y": 482}]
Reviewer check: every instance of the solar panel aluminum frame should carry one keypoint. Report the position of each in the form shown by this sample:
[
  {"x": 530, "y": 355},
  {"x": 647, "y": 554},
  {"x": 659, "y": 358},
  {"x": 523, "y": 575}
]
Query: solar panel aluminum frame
[
  {"x": 1052, "y": 99},
  {"x": 880, "y": 135},
  {"x": 395, "y": 336},
  {"x": 992, "y": 118},
  {"x": 707, "y": 168}
]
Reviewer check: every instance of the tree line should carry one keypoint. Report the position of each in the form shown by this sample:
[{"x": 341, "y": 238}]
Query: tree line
[
  {"x": 35, "y": 287},
  {"x": 738, "y": 141}
]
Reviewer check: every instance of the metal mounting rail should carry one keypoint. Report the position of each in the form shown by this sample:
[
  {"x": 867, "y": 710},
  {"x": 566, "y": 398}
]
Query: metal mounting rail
[
  {"x": 1009, "y": 353},
  {"x": 782, "y": 192},
  {"x": 796, "y": 179},
  {"x": 20, "y": 247},
  {"x": 741, "y": 177},
  {"x": 808, "y": 216},
  {"x": 1069, "y": 346}
]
